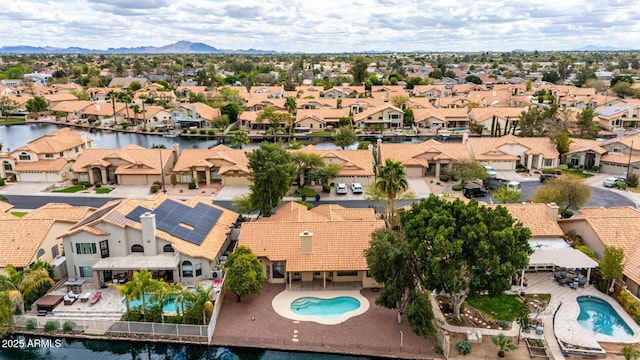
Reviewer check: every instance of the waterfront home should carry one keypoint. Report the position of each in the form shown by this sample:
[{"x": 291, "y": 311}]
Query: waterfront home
[
  {"x": 104, "y": 112},
  {"x": 429, "y": 158},
  {"x": 386, "y": 116},
  {"x": 499, "y": 120},
  {"x": 445, "y": 118},
  {"x": 318, "y": 119},
  {"x": 70, "y": 110},
  {"x": 57, "y": 98},
  {"x": 130, "y": 165},
  {"x": 506, "y": 152},
  {"x": 49, "y": 157},
  {"x": 598, "y": 227},
  {"x": 194, "y": 114},
  {"x": 219, "y": 164},
  {"x": 125, "y": 82},
  {"x": 356, "y": 166},
  {"x": 35, "y": 236},
  {"x": 178, "y": 241},
  {"x": 326, "y": 243}
]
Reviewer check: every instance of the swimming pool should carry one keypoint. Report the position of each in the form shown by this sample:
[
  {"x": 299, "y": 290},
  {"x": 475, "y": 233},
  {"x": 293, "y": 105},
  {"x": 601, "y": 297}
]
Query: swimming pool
[
  {"x": 599, "y": 316},
  {"x": 324, "y": 308},
  {"x": 169, "y": 305}
]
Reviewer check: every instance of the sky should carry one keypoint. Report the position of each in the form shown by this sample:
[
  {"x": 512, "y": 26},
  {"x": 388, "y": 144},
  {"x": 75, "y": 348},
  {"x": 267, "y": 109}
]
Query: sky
[{"x": 317, "y": 26}]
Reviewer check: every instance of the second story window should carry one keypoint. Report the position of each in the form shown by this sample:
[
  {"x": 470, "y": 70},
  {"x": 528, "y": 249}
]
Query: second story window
[
  {"x": 48, "y": 156},
  {"x": 137, "y": 248},
  {"x": 85, "y": 248},
  {"x": 24, "y": 156}
]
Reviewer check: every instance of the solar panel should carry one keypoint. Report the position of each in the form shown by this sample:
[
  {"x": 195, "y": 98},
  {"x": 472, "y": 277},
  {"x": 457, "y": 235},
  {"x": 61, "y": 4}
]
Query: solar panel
[{"x": 136, "y": 213}]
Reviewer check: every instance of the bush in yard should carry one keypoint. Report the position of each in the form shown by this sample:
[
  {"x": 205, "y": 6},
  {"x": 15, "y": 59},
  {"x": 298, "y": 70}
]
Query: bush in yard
[
  {"x": 444, "y": 177},
  {"x": 595, "y": 168},
  {"x": 192, "y": 185},
  {"x": 304, "y": 203},
  {"x": 211, "y": 132},
  {"x": 326, "y": 188},
  {"x": 1, "y": 182},
  {"x": 31, "y": 324},
  {"x": 68, "y": 326},
  {"x": 632, "y": 180},
  {"x": 464, "y": 347},
  {"x": 51, "y": 325},
  {"x": 549, "y": 171},
  {"x": 202, "y": 131},
  {"x": 457, "y": 187}
]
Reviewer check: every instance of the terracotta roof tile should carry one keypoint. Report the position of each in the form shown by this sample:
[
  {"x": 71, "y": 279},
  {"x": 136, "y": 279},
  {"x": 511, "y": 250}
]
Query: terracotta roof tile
[{"x": 20, "y": 239}]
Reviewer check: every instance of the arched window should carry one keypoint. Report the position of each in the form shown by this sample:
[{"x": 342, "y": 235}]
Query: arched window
[
  {"x": 24, "y": 156},
  {"x": 187, "y": 269},
  {"x": 7, "y": 165},
  {"x": 40, "y": 253},
  {"x": 168, "y": 248},
  {"x": 137, "y": 248}
]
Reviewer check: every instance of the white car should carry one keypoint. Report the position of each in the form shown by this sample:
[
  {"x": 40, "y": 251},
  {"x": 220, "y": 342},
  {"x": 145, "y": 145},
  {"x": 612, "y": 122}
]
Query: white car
[
  {"x": 356, "y": 188},
  {"x": 491, "y": 171},
  {"x": 341, "y": 188},
  {"x": 610, "y": 182}
]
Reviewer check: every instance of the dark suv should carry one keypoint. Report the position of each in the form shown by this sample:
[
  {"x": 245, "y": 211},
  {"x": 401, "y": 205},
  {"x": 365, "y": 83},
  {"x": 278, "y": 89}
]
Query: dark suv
[
  {"x": 545, "y": 177},
  {"x": 471, "y": 191}
]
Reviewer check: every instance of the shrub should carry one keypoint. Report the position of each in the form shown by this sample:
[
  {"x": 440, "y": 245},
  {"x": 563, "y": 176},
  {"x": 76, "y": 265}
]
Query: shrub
[
  {"x": 464, "y": 347},
  {"x": 51, "y": 325},
  {"x": 523, "y": 170},
  {"x": 563, "y": 167},
  {"x": 174, "y": 179},
  {"x": 133, "y": 315},
  {"x": 457, "y": 187},
  {"x": 211, "y": 132},
  {"x": 364, "y": 145},
  {"x": 595, "y": 168},
  {"x": 444, "y": 177},
  {"x": 1, "y": 182},
  {"x": 520, "y": 166},
  {"x": 31, "y": 324},
  {"x": 446, "y": 307},
  {"x": 192, "y": 185},
  {"x": 154, "y": 189},
  {"x": 68, "y": 326},
  {"x": 192, "y": 131},
  {"x": 326, "y": 188},
  {"x": 632, "y": 180},
  {"x": 202, "y": 131},
  {"x": 98, "y": 185},
  {"x": 620, "y": 184},
  {"x": 308, "y": 205},
  {"x": 566, "y": 213},
  {"x": 549, "y": 171}
]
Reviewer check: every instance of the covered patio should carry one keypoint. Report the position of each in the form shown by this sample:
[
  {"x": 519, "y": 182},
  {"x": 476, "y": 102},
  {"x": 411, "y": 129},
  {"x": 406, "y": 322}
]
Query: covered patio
[{"x": 163, "y": 267}]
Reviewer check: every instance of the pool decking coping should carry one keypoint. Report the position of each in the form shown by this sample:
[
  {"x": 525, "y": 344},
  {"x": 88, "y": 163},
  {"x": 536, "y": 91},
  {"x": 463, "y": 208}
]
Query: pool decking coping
[{"x": 282, "y": 305}]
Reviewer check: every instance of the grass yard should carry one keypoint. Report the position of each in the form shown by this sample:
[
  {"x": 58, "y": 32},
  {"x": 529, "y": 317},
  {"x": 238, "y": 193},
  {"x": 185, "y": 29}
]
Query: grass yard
[
  {"x": 12, "y": 120},
  {"x": 502, "y": 307},
  {"x": 579, "y": 173},
  {"x": 306, "y": 191},
  {"x": 103, "y": 190},
  {"x": 71, "y": 189}
]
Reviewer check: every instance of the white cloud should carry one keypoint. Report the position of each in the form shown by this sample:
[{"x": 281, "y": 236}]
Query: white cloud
[{"x": 323, "y": 26}]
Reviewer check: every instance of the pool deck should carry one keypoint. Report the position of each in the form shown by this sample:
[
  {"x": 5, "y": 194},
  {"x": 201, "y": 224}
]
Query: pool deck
[{"x": 282, "y": 305}]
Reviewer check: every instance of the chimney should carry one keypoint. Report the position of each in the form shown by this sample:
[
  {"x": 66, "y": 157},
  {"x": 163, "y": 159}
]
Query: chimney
[
  {"x": 149, "y": 231},
  {"x": 176, "y": 149},
  {"x": 306, "y": 242},
  {"x": 97, "y": 107},
  {"x": 553, "y": 211}
]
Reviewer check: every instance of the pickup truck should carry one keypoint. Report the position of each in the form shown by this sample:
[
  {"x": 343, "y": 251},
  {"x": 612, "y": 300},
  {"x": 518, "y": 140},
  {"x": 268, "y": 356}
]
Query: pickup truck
[{"x": 494, "y": 183}]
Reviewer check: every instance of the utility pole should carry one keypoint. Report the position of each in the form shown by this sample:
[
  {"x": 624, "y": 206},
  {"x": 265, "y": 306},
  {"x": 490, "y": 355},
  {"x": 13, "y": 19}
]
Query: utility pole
[
  {"x": 164, "y": 190},
  {"x": 628, "y": 166}
]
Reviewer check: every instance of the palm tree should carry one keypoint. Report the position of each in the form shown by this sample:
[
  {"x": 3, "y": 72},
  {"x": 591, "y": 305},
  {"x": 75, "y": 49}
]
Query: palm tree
[
  {"x": 290, "y": 104},
  {"x": 240, "y": 138},
  {"x": 504, "y": 344},
  {"x": 204, "y": 299},
  {"x": 630, "y": 352},
  {"x": 112, "y": 94},
  {"x": 392, "y": 182},
  {"x": 184, "y": 295},
  {"x": 126, "y": 290},
  {"x": 34, "y": 283},
  {"x": 144, "y": 283},
  {"x": 136, "y": 111},
  {"x": 159, "y": 295}
]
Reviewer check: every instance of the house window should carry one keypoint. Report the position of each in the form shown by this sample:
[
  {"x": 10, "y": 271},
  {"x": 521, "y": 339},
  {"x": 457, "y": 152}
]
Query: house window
[
  {"x": 278, "y": 270},
  {"x": 83, "y": 177},
  {"x": 347, "y": 273},
  {"x": 85, "y": 271},
  {"x": 395, "y": 116},
  {"x": 548, "y": 162},
  {"x": 7, "y": 165},
  {"x": 617, "y": 150},
  {"x": 85, "y": 248},
  {"x": 40, "y": 253},
  {"x": 48, "y": 156},
  {"x": 198, "y": 269},
  {"x": 61, "y": 154},
  {"x": 104, "y": 249},
  {"x": 77, "y": 149},
  {"x": 54, "y": 251},
  {"x": 24, "y": 156},
  {"x": 186, "y": 177},
  {"x": 137, "y": 248},
  {"x": 167, "y": 248},
  {"x": 187, "y": 269}
]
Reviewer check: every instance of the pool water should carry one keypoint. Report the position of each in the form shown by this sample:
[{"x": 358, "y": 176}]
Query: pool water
[
  {"x": 169, "y": 305},
  {"x": 325, "y": 308},
  {"x": 599, "y": 316}
]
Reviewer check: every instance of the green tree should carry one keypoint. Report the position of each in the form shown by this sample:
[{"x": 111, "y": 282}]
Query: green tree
[
  {"x": 244, "y": 274},
  {"x": 408, "y": 118},
  {"x": 562, "y": 142},
  {"x": 184, "y": 298},
  {"x": 144, "y": 283},
  {"x": 504, "y": 344},
  {"x": 272, "y": 173},
  {"x": 611, "y": 266},
  {"x": 551, "y": 76},
  {"x": 232, "y": 110},
  {"x": 505, "y": 195},
  {"x": 345, "y": 137},
  {"x": 583, "y": 74},
  {"x": 305, "y": 163},
  {"x": 240, "y": 138},
  {"x": 33, "y": 283},
  {"x": 325, "y": 173},
  {"x": 7, "y": 105},
  {"x": 523, "y": 320},
  {"x": 160, "y": 295},
  {"x": 587, "y": 128},
  {"x": 475, "y": 79},
  {"x": 36, "y": 105},
  {"x": 465, "y": 248},
  {"x": 568, "y": 192},
  {"x": 531, "y": 122},
  {"x": 630, "y": 352},
  {"x": 295, "y": 145},
  {"x": 128, "y": 291},
  {"x": 623, "y": 89},
  {"x": 469, "y": 170},
  {"x": 622, "y": 78},
  {"x": 290, "y": 104},
  {"x": 359, "y": 69},
  {"x": 392, "y": 182},
  {"x": 399, "y": 101}
]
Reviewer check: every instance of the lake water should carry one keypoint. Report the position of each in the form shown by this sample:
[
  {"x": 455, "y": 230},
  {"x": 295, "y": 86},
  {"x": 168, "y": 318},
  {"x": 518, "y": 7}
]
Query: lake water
[{"x": 37, "y": 348}]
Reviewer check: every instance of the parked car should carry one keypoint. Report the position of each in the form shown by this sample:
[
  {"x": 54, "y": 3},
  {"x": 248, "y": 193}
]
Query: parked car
[
  {"x": 356, "y": 188},
  {"x": 545, "y": 177},
  {"x": 491, "y": 171},
  {"x": 623, "y": 177},
  {"x": 471, "y": 191},
  {"x": 610, "y": 182},
  {"x": 341, "y": 188}
]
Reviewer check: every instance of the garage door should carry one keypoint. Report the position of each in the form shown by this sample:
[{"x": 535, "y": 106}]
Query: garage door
[
  {"x": 31, "y": 177},
  {"x": 503, "y": 165},
  {"x": 414, "y": 172},
  {"x": 614, "y": 169}
]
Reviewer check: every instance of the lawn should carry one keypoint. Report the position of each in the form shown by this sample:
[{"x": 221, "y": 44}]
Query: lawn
[
  {"x": 71, "y": 189},
  {"x": 103, "y": 190},
  {"x": 12, "y": 121},
  {"x": 502, "y": 307},
  {"x": 19, "y": 213},
  {"x": 580, "y": 173},
  {"x": 306, "y": 191}
]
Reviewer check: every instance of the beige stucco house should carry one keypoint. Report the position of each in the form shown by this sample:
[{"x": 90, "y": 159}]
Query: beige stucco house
[
  {"x": 429, "y": 158},
  {"x": 219, "y": 164},
  {"x": 385, "y": 116},
  {"x": 355, "y": 165},
  {"x": 178, "y": 241},
  {"x": 506, "y": 152},
  {"x": 613, "y": 156},
  {"x": 130, "y": 165},
  {"x": 323, "y": 244}
]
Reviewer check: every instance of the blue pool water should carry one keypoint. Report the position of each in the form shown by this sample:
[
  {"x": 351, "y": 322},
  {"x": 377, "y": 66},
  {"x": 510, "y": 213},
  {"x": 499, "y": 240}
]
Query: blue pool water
[
  {"x": 325, "y": 308},
  {"x": 167, "y": 306},
  {"x": 597, "y": 315}
]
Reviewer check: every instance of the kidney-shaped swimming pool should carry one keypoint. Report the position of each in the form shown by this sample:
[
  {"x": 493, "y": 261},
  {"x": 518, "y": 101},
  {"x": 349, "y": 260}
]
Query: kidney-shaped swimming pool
[{"x": 599, "y": 316}]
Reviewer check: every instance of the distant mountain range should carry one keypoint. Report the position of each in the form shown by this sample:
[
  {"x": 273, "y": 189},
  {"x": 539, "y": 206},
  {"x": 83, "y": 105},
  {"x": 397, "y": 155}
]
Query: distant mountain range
[{"x": 180, "y": 47}]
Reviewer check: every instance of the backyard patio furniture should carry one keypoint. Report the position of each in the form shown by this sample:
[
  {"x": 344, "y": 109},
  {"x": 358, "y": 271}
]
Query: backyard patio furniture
[
  {"x": 70, "y": 298},
  {"x": 95, "y": 297},
  {"x": 42, "y": 312},
  {"x": 85, "y": 297}
]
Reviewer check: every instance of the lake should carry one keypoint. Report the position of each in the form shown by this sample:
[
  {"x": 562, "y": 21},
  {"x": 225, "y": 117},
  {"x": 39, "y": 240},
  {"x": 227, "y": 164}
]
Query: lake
[{"x": 38, "y": 347}]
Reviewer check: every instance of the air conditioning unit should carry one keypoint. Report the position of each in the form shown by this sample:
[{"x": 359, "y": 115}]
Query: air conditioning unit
[{"x": 217, "y": 274}]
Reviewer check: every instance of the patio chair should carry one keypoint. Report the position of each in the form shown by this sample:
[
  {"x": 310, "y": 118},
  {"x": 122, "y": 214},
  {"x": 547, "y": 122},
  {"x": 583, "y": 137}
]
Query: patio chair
[{"x": 582, "y": 282}]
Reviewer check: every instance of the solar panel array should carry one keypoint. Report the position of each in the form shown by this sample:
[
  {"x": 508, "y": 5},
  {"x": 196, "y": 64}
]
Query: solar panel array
[{"x": 170, "y": 216}]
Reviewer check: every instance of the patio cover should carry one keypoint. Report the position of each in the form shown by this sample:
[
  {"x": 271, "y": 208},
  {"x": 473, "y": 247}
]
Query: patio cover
[
  {"x": 567, "y": 258},
  {"x": 157, "y": 262}
]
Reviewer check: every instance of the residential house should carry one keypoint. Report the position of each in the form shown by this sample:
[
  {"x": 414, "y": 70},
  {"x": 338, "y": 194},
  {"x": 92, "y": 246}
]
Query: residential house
[
  {"x": 466, "y": 89},
  {"x": 155, "y": 117},
  {"x": 431, "y": 91},
  {"x": 583, "y": 153},
  {"x": 429, "y": 158},
  {"x": 104, "y": 113},
  {"x": 260, "y": 101},
  {"x": 500, "y": 120},
  {"x": 326, "y": 243},
  {"x": 622, "y": 154},
  {"x": 355, "y": 165},
  {"x": 319, "y": 119},
  {"x": 57, "y": 98},
  {"x": 177, "y": 241},
  {"x": 454, "y": 102},
  {"x": 34, "y": 236},
  {"x": 618, "y": 116},
  {"x": 194, "y": 114},
  {"x": 507, "y": 151},
  {"x": 125, "y": 82},
  {"x": 219, "y": 164},
  {"x": 447, "y": 118},
  {"x": 600, "y": 227},
  {"x": 49, "y": 157},
  {"x": 307, "y": 104},
  {"x": 70, "y": 110},
  {"x": 272, "y": 92},
  {"x": 387, "y": 92},
  {"x": 385, "y": 117},
  {"x": 341, "y": 92}
]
